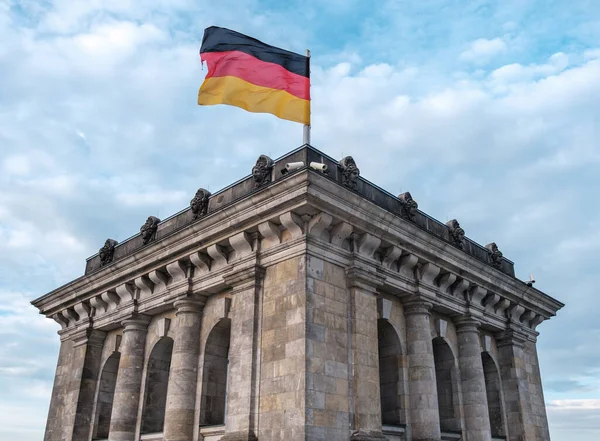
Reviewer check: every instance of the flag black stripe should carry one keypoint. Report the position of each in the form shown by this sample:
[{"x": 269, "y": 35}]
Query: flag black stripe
[{"x": 223, "y": 40}]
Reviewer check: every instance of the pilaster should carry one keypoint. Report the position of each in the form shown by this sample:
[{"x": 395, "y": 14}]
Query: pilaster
[
  {"x": 242, "y": 390},
  {"x": 364, "y": 368},
  {"x": 515, "y": 385}
]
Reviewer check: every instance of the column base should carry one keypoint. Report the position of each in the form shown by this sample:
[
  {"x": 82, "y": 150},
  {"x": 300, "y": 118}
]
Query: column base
[
  {"x": 242, "y": 435},
  {"x": 359, "y": 435}
]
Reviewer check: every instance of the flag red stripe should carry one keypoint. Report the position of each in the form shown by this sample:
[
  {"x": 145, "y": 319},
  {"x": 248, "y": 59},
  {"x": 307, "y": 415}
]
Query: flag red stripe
[{"x": 255, "y": 71}]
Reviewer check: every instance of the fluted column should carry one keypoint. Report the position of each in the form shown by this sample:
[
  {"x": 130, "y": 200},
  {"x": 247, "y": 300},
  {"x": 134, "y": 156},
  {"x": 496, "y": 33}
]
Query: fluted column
[
  {"x": 183, "y": 376},
  {"x": 129, "y": 379},
  {"x": 242, "y": 387},
  {"x": 425, "y": 418},
  {"x": 476, "y": 414},
  {"x": 515, "y": 385}
]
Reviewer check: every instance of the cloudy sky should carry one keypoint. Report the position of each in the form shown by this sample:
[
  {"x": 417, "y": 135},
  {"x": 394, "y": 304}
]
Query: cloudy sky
[{"x": 487, "y": 111}]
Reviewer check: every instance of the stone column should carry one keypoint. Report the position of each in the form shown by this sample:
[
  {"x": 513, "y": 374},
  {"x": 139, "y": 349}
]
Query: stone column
[
  {"x": 515, "y": 386},
  {"x": 129, "y": 379},
  {"x": 85, "y": 368},
  {"x": 242, "y": 393},
  {"x": 476, "y": 414},
  {"x": 365, "y": 395},
  {"x": 183, "y": 376},
  {"x": 424, "y": 414}
]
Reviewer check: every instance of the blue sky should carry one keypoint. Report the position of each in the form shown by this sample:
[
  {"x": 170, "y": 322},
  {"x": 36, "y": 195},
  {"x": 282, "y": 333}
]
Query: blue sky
[{"x": 486, "y": 111}]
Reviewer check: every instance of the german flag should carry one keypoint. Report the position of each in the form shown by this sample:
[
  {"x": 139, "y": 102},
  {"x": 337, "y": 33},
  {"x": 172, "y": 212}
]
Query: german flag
[{"x": 255, "y": 76}]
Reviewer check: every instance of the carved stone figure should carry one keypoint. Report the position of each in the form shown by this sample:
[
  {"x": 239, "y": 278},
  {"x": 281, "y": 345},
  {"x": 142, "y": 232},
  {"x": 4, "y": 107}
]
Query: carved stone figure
[
  {"x": 409, "y": 206},
  {"x": 457, "y": 234},
  {"x": 350, "y": 172},
  {"x": 495, "y": 254},
  {"x": 148, "y": 230},
  {"x": 261, "y": 172},
  {"x": 199, "y": 204},
  {"x": 107, "y": 252}
]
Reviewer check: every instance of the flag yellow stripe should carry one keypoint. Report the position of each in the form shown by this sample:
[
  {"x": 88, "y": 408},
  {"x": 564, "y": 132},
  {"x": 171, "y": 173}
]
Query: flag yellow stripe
[{"x": 237, "y": 92}]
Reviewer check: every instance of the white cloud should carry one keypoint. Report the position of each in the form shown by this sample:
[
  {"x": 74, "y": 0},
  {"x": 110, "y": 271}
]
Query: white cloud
[{"x": 482, "y": 50}]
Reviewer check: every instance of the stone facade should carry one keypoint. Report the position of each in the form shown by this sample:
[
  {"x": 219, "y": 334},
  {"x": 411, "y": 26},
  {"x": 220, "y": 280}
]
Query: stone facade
[{"x": 303, "y": 308}]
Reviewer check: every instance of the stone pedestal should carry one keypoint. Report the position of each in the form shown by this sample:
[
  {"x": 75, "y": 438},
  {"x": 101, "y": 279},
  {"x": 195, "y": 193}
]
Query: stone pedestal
[
  {"x": 425, "y": 419},
  {"x": 242, "y": 393},
  {"x": 515, "y": 386},
  {"x": 476, "y": 414},
  {"x": 183, "y": 376},
  {"x": 129, "y": 379}
]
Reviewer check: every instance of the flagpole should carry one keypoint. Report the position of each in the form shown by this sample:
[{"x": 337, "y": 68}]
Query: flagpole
[{"x": 306, "y": 131}]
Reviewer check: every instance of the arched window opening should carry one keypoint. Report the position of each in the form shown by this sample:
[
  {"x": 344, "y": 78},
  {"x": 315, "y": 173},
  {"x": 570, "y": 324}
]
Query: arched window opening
[
  {"x": 492, "y": 388},
  {"x": 447, "y": 390},
  {"x": 157, "y": 381},
  {"x": 106, "y": 394},
  {"x": 391, "y": 366},
  {"x": 214, "y": 377}
]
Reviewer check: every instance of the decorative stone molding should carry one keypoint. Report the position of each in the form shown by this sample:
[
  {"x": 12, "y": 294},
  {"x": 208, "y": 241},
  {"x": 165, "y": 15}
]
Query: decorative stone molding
[
  {"x": 293, "y": 224},
  {"x": 360, "y": 435},
  {"x": 514, "y": 312},
  {"x": 460, "y": 288},
  {"x": 501, "y": 307},
  {"x": 445, "y": 281},
  {"x": 466, "y": 323},
  {"x": 536, "y": 321},
  {"x": 261, "y": 172},
  {"x": 201, "y": 262},
  {"x": 199, "y": 203},
  {"x": 218, "y": 254},
  {"x": 241, "y": 245},
  {"x": 111, "y": 299},
  {"x": 457, "y": 234},
  {"x": 417, "y": 306},
  {"x": 177, "y": 270},
  {"x": 407, "y": 265},
  {"x": 159, "y": 280},
  {"x": 340, "y": 233},
  {"x": 271, "y": 234},
  {"x": 391, "y": 256},
  {"x": 148, "y": 230},
  {"x": 319, "y": 225},
  {"x": 253, "y": 274},
  {"x": 61, "y": 320},
  {"x": 99, "y": 305},
  {"x": 494, "y": 254},
  {"x": 366, "y": 244},
  {"x": 350, "y": 172},
  {"x": 486, "y": 343},
  {"x": 428, "y": 273},
  {"x": 145, "y": 286},
  {"x": 475, "y": 295},
  {"x": 83, "y": 310},
  {"x": 126, "y": 292},
  {"x": 409, "y": 206},
  {"x": 107, "y": 252}
]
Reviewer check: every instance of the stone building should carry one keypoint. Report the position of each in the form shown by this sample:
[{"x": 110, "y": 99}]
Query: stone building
[{"x": 298, "y": 304}]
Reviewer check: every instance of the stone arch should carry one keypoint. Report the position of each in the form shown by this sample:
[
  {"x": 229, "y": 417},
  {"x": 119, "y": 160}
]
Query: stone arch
[
  {"x": 213, "y": 400},
  {"x": 392, "y": 364},
  {"x": 493, "y": 388},
  {"x": 446, "y": 375},
  {"x": 105, "y": 397},
  {"x": 157, "y": 381}
]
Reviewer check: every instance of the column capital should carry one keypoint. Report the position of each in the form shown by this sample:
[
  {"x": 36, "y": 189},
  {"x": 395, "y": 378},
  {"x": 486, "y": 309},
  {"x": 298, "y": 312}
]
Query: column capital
[
  {"x": 246, "y": 276},
  {"x": 417, "y": 306},
  {"x": 188, "y": 304},
  {"x": 88, "y": 336},
  {"x": 466, "y": 323},
  {"x": 136, "y": 322},
  {"x": 510, "y": 337},
  {"x": 359, "y": 277}
]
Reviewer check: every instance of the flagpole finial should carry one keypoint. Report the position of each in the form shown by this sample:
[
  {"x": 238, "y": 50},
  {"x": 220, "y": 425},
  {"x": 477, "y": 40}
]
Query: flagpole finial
[{"x": 306, "y": 128}]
